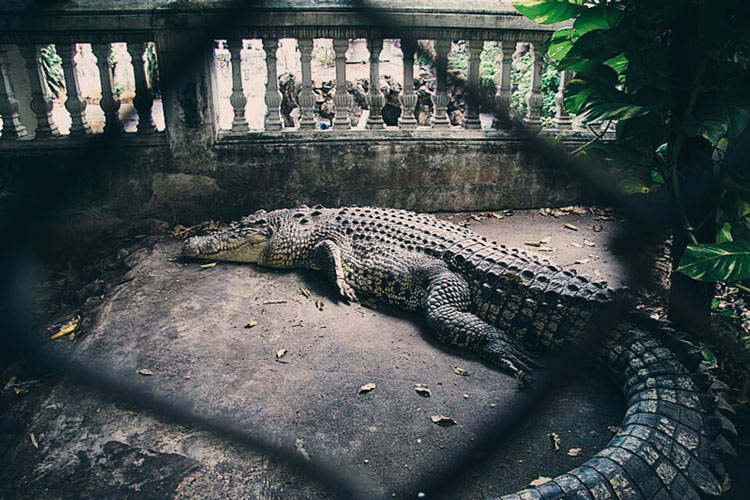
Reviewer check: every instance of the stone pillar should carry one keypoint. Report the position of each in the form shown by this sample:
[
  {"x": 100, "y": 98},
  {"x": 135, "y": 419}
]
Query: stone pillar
[
  {"x": 441, "y": 98},
  {"x": 472, "y": 100},
  {"x": 562, "y": 118},
  {"x": 9, "y": 106},
  {"x": 306, "y": 96},
  {"x": 238, "y": 100},
  {"x": 273, "y": 96},
  {"x": 144, "y": 96},
  {"x": 342, "y": 97},
  {"x": 503, "y": 84},
  {"x": 374, "y": 96},
  {"x": 109, "y": 103},
  {"x": 408, "y": 97},
  {"x": 41, "y": 104},
  {"x": 534, "y": 98},
  {"x": 76, "y": 106}
]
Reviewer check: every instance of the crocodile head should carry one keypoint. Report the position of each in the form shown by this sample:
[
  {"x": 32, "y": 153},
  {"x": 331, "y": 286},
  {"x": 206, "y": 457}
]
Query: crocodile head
[{"x": 242, "y": 241}]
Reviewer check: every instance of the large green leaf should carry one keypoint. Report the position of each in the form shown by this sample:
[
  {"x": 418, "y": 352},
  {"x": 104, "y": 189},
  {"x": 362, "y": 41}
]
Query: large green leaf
[
  {"x": 560, "y": 44},
  {"x": 549, "y": 11},
  {"x": 598, "y": 17},
  {"x": 728, "y": 261}
]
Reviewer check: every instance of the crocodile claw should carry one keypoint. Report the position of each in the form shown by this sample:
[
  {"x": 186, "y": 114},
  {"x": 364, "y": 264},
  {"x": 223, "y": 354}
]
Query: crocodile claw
[{"x": 346, "y": 291}]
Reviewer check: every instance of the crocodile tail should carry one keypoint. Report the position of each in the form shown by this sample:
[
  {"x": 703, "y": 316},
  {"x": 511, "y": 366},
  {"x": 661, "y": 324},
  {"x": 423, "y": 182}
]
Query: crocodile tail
[{"x": 672, "y": 437}]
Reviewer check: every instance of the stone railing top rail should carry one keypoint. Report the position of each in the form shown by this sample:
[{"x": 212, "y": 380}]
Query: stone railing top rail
[{"x": 21, "y": 20}]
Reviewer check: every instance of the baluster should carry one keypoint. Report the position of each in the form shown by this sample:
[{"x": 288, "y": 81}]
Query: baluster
[
  {"x": 40, "y": 104},
  {"x": 562, "y": 117},
  {"x": 79, "y": 125},
  {"x": 12, "y": 126},
  {"x": 408, "y": 97},
  {"x": 144, "y": 96},
  {"x": 306, "y": 95},
  {"x": 374, "y": 96},
  {"x": 110, "y": 102},
  {"x": 472, "y": 95},
  {"x": 342, "y": 97},
  {"x": 238, "y": 100},
  {"x": 273, "y": 96},
  {"x": 441, "y": 97},
  {"x": 503, "y": 85},
  {"x": 534, "y": 98}
]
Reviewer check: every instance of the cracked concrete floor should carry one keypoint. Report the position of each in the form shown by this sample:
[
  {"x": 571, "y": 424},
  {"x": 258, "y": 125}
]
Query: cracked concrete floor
[{"x": 186, "y": 326}]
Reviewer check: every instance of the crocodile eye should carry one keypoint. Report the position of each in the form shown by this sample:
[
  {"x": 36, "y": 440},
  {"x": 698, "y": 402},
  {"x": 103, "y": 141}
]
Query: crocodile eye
[{"x": 261, "y": 221}]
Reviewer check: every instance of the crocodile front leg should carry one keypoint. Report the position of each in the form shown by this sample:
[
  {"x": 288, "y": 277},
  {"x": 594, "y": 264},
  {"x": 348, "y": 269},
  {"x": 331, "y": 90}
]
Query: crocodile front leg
[
  {"x": 326, "y": 256},
  {"x": 447, "y": 306}
]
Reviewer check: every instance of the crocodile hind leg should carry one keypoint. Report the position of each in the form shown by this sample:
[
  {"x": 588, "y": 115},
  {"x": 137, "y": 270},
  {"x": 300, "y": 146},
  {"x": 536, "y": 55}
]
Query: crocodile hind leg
[{"x": 447, "y": 305}]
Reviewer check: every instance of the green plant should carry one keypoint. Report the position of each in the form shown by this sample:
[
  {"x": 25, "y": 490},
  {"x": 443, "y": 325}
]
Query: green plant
[
  {"x": 675, "y": 76},
  {"x": 52, "y": 70},
  {"x": 152, "y": 69},
  {"x": 521, "y": 77}
]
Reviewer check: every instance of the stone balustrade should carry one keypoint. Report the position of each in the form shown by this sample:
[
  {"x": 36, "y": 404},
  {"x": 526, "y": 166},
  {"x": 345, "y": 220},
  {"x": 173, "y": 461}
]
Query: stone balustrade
[{"x": 301, "y": 21}]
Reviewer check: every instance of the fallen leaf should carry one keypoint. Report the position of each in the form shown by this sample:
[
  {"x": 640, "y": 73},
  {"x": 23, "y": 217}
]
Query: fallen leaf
[
  {"x": 442, "y": 420},
  {"x": 497, "y": 216},
  {"x": 576, "y": 244},
  {"x": 545, "y": 212},
  {"x": 597, "y": 228},
  {"x": 423, "y": 390},
  {"x": 460, "y": 371},
  {"x": 571, "y": 227},
  {"x": 555, "y": 438},
  {"x": 274, "y": 301},
  {"x": 305, "y": 292},
  {"x": 533, "y": 243},
  {"x": 589, "y": 243},
  {"x": 575, "y": 452},
  {"x": 280, "y": 353},
  {"x": 34, "y": 442},
  {"x": 508, "y": 213},
  {"x": 209, "y": 265},
  {"x": 319, "y": 304},
  {"x": 67, "y": 328},
  {"x": 582, "y": 261},
  {"x": 540, "y": 481},
  {"x": 251, "y": 323},
  {"x": 545, "y": 240},
  {"x": 367, "y": 387},
  {"x": 546, "y": 249},
  {"x": 145, "y": 372}
]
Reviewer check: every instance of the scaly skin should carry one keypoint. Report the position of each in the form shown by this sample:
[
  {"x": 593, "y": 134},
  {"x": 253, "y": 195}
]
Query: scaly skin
[{"x": 492, "y": 299}]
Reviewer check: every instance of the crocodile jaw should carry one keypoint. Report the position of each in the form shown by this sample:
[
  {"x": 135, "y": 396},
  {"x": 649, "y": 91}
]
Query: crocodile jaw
[{"x": 245, "y": 248}]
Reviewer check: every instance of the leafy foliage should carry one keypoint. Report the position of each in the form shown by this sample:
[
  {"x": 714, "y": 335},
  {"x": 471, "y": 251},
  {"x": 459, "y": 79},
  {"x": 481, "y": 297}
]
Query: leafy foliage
[
  {"x": 52, "y": 70},
  {"x": 622, "y": 54}
]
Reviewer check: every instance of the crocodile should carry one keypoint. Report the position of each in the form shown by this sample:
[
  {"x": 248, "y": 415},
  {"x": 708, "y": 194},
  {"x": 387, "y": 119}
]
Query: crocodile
[{"x": 500, "y": 302}]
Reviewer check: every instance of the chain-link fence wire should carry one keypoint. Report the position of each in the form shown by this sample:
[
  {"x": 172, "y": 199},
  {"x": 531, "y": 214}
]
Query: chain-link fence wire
[{"x": 646, "y": 218}]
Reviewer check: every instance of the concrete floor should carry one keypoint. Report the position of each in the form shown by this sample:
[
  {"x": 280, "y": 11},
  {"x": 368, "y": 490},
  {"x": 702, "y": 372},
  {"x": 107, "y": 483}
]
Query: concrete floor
[{"x": 187, "y": 327}]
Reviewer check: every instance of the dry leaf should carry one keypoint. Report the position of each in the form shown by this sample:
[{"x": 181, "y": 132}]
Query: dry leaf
[
  {"x": 546, "y": 249},
  {"x": 555, "y": 438},
  {"x": 545, "y": 212},
  {"x": 367, "y": 387},
  {"x": 540, "y": 481},
  {"x": 423, "y": 390},
  {"x": 497, "y": 216},
  {"x": 533, "y": 243},
  {"x": 545, "y": 240},
  {"x": 67, "y": 328},
  {"x": 34, "y": 442},
  {"x": 575, "y": 452},
  {"x": 460, "y": 371},
  {"x": 589, "y": 243},
  {"x": 319, "y": 304},
  {"x": 582, "y": 261},
  {"x": 145, "y": 372},
  {"x": 274, "y": 301},
  {"x": 305, "y": 292},
  {"x": 443, "y": 420},
  {"x": 251, "y": 323},
  {"x": 280, "y": 353},
  {"x": 576, "y": 244},
  {"x": 209, "y": 265},
  {"x": 571, "y": 227}
]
